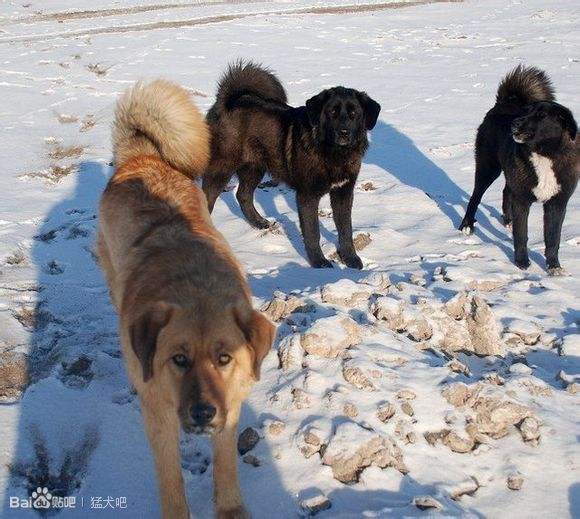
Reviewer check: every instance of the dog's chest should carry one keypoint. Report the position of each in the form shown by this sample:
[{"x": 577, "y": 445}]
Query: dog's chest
[
  {"x": 547, "y": 186},
  {"x": 343, "y": 173},
  {"x": 339, "y": 183}
]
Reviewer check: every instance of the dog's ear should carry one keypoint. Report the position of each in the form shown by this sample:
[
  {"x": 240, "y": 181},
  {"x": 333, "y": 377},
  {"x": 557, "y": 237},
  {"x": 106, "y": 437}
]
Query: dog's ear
[
  {"x": 315, "y": 105},
  {"x": 568, "y": 121},
  {"x": 258, "y": 331},
  {"x": 143, "y": 334},
  {"x": 370, "y": 108},
  {"x": 261, "y": 338}
]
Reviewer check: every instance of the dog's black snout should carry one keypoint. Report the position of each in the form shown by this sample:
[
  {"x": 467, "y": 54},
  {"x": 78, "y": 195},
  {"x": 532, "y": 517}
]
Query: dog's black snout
[
  {"x": 202, "y": 414},
  {"x": 344, "y": 131},
  {"x": 517, "y": 124}
]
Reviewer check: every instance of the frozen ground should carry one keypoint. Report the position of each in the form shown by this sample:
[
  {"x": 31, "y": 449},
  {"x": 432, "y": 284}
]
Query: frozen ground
[{"x": 363, "y": 360}]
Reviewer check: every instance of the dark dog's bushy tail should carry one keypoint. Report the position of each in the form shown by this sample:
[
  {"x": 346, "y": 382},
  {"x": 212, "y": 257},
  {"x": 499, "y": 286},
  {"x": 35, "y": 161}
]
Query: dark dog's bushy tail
[
  {"x": 248, "y": 78},
  {"x": 522, "y": 86}
]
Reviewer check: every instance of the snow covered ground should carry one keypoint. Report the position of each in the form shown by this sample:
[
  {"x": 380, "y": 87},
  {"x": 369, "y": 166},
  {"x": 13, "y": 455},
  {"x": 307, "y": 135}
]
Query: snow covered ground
[{"x": 361, "y": 386}]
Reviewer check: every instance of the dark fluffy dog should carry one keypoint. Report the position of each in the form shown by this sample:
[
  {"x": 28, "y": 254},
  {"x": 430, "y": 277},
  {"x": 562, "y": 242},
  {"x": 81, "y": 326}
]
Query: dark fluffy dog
[
  {"x": 316, "y": 149},
  {"x": 533, "y": 140}
]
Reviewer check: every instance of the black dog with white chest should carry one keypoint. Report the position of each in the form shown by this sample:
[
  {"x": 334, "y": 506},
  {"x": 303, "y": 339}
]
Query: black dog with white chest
[
  {"x": 533, "y": 140},
  {"x": 315, "y": 149}
]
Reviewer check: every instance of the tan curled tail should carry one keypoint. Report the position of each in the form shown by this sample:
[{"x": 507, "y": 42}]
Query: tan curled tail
[{"x": 159, "y": 118}]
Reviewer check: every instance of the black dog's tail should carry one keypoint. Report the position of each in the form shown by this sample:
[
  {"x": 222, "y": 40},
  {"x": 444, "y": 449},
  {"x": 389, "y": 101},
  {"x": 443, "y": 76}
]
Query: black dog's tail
[
  {"x": 243, "y": 78},
  {"x": 522, "y": 86}
]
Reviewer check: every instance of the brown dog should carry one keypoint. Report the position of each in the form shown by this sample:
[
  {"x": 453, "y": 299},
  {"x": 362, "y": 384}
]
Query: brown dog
[{"x": 192, "y": 343}]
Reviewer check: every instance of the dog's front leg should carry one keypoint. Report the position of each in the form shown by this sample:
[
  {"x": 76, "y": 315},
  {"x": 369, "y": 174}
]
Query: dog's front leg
[
  {"x": 227, "y": 493},
  {"x": 162, "y": 426},
  {"x": 520, "y": 212},
  {"x": 308, "y": 214},
  {"x": 554, "y": 213},
  {"x": 341, "y": 202}
]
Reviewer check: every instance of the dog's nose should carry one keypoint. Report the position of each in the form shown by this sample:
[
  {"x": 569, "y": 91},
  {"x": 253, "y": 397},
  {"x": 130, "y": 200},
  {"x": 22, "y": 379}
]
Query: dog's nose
[
  {"x": 202, "y": 414},
  {"x": 517, "y": 124},
  {"x": 343, "y": 131}
]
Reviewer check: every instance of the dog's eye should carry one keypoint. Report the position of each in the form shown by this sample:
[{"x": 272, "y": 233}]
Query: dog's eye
[
  {"x": 352, "y": 114},
  {"x": 334, "y": 112},
  {"x": 224, "y": 359},
  {"x": 180, "y": 360}
]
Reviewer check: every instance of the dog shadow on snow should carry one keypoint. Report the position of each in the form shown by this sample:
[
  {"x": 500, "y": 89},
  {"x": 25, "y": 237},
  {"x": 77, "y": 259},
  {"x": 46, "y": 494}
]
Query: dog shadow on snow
[
  {"x": 397, "y": 154},
  {"x": 574, "y": 499},
  {"x": 265, "y": 201},
  {"x": 58, "y": 429},
  {"x": 79, "y": 432}
]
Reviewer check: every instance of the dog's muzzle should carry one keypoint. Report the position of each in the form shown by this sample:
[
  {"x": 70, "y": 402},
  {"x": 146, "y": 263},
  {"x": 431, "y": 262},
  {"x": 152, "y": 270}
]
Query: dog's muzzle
[
  {"x": 343, "y": 137},
  {"x": 202, "y": 414},
  {"x": 518, "y": 132},
  {"x": 201, "y": 417}
]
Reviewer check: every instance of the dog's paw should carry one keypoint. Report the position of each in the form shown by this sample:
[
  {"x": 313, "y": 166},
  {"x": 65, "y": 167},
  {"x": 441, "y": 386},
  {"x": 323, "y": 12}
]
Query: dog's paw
[
  {"x": 261, "y": 223},
  {"x": 321, "y": 263},
  {"x": 466, "y": 229},
  {"x": 274, "y": 228},
  {"x": 557, "y": 272},
  {"x": 353, "y": 262},
  {"x": 239, "y": 512},
  {"x": 523, "y": 264}
]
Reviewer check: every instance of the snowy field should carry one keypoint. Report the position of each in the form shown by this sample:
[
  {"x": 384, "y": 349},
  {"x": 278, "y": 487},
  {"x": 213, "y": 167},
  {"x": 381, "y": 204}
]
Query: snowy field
[{"x": 440, "y": 381}]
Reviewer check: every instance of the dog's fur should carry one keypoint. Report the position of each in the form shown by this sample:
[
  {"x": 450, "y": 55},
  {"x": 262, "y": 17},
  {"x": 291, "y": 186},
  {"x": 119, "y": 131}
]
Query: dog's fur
[
  {"x": 533, "y": 140},
  {"x": 315, "y": 149},
  {"x": 192, "y": 343}
]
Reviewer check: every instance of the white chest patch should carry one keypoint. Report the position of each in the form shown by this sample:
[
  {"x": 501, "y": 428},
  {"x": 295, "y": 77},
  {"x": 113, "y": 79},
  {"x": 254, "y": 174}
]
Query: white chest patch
[
  {"x": 336, "y": 185},
  {"x": 548, "y": 186}
]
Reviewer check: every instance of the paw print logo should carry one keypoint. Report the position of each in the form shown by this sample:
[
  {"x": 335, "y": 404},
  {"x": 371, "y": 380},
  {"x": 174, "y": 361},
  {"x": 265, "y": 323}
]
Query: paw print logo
[{"x": 41, "y": 498}]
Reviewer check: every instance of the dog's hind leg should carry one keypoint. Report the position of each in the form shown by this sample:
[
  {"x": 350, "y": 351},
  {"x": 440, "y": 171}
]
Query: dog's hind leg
[
  {"x": 341, "y": 202},
  {"x": 487, "y": 169},
  {"x": 250, "y": 177},
  {"x": 227, "y": 493},
  {"x": 214, "y": 182},
  {"x": 554, "y": 213},
  {"x": 520, "y": 212},
  {"x": 506, "y": 206}
]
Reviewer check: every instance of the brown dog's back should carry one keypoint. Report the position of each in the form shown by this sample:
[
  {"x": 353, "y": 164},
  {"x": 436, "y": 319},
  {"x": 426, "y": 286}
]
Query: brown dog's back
[
  {"x": 159, "y": 140},
  {"x": 156, "y": 128}
]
